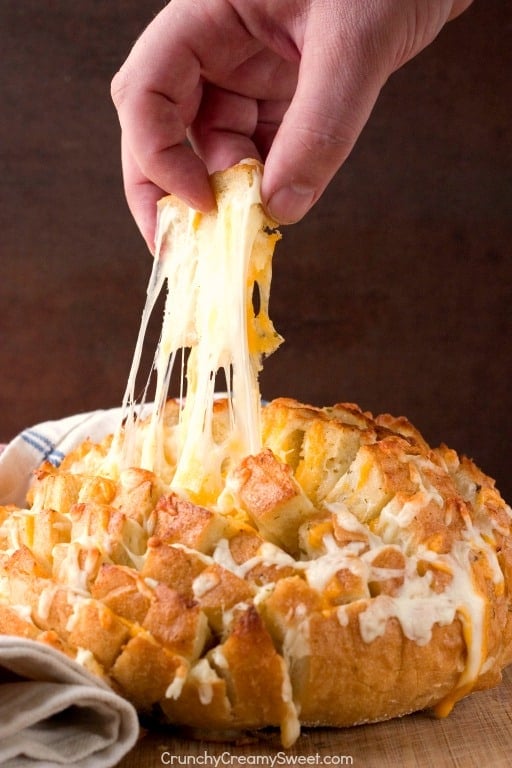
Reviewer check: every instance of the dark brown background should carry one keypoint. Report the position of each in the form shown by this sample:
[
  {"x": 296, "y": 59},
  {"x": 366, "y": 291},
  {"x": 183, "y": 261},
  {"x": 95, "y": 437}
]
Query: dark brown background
[{"x": 395, "y": 292}]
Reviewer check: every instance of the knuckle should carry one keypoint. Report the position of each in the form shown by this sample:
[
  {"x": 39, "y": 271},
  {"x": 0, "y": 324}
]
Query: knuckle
[
  {"x": 118, "y": 87},
  {"x": 326, "y": 132}
]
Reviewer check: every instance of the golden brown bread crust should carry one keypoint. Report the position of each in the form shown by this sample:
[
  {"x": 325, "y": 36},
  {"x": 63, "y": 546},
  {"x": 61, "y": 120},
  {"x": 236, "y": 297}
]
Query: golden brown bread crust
[{"x": 349, "y": 573}]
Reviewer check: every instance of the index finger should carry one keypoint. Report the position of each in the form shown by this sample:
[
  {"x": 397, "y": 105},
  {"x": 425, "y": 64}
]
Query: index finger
[
  {"x": 158, "y": 90},
  {"x": 154, "y": 135}
]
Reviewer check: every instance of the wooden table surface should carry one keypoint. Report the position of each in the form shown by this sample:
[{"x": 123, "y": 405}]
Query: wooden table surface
[{"x": 478, "y": 734}]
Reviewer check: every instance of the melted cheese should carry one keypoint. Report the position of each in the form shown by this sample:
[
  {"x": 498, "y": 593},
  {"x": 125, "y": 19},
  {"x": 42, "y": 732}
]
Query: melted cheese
[
  {"x": 210, "y": 263},
  {"x": 415, "y": 605},
  {"x": 205, "y": 678}
]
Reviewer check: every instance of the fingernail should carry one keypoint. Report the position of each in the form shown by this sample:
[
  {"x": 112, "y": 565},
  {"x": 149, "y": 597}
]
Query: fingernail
[{"x": 289, "y": 204}]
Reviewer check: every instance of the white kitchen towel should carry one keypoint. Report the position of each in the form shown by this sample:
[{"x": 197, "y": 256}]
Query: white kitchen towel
[
  {"x": 52, "y": 711},
  {"x": 49, "y": 441},
  {"x": 55, "y": 713}
]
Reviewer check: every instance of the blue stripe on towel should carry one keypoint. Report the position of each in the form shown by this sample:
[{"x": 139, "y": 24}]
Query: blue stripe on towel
[
  {"x": 43, "y": 445},
  {"x": 55, "y": 457}
]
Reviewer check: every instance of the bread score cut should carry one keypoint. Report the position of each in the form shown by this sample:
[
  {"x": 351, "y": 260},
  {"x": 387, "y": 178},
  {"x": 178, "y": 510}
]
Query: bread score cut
[{"x": 346, "y": 573}]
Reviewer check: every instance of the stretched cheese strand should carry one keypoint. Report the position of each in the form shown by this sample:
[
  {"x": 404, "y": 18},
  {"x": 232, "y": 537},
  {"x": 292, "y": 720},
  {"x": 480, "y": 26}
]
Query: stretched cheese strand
[
  {"x": 210, "y": 263},
  {"x": 225, "y": 276}
]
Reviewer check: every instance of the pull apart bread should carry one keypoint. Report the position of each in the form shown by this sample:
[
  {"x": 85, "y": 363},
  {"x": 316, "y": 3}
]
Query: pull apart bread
[{"x": 289, "y": 565}]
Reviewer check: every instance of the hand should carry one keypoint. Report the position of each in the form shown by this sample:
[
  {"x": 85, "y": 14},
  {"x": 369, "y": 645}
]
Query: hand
[{"x": 291, "y": 82}]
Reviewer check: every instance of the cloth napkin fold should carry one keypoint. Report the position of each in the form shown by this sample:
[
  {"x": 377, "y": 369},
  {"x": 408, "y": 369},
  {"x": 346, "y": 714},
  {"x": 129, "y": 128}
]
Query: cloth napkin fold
[
  {"x": 55, "y": 713},
  {"x": 52, "y": 711}
]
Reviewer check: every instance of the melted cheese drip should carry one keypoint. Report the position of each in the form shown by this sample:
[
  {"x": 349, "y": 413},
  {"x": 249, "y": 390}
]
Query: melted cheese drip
[
  {"x": 415, "y": 605},
  {"x": 210, "y": 263}
]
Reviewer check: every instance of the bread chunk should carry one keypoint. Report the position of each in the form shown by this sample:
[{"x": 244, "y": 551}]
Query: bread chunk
[{"x": 346, "y": 573}]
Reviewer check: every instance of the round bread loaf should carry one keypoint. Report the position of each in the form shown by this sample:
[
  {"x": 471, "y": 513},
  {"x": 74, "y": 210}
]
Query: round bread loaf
[{"x": 347, "y": 573}]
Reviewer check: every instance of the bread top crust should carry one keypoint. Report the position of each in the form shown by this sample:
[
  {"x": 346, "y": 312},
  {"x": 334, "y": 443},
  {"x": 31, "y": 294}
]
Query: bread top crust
[{"x": 349, "y": 570}]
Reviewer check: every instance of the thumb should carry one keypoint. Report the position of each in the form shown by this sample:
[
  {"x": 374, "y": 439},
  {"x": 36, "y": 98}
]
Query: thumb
[{"x": 337, "y": 88}]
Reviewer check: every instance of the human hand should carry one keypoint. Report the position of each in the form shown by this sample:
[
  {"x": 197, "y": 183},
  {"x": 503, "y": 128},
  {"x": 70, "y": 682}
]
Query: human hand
[{"x": 291, "y": 82}]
